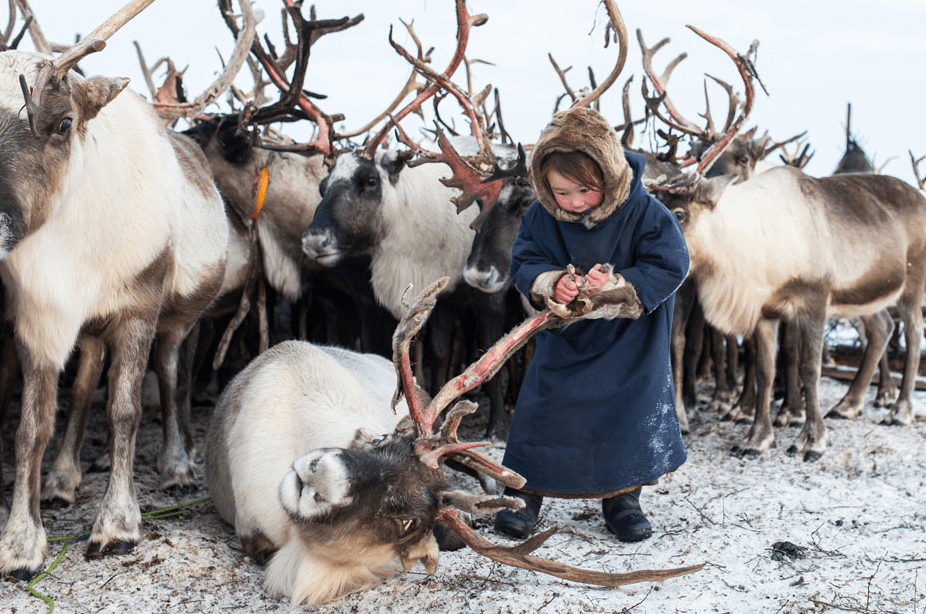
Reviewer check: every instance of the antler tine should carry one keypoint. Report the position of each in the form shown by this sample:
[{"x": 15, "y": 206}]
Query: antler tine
[
  {"x": 733, "y": 103},
  {"x": 244, "y": 38},
  {"x": 620, "y": 30},
  {"x": 35, "y": 31},
  {"x": 675, "y": 120},
  {"x": 781, "y": 144},
  {"x": 412, "y": 322},
  {"x": 916, "y": 169},
  {"x": 520, "y": 556},
  {"x": 490, "y": 362},
  {"x": 96, "y": 40},
  {"x": 465, "y": 23},
  {"x": 412, "y": 85},
  {"x": 747, "y": 71}
]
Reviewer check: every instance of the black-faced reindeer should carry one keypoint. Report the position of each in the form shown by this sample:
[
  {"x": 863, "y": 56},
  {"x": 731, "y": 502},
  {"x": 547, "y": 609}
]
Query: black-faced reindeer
[
  {"x": 790, "y": 247},
  {"x": 317, "y": 469},
  {"x": 109, "y": 234},
  {"x": 402, "y": 217}
]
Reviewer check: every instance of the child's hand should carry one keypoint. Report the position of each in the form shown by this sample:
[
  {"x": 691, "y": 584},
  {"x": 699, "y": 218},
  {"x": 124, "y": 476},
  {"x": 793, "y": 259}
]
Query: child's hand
[
  {"x": 594, "y": 279},
  {"x": 566, "y": 289}
]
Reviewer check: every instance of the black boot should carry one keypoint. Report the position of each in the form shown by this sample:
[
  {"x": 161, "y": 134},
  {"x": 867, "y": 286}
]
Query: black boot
[
  {"x": 519, "y": 524},
  {"x": 624, "y": 518}
]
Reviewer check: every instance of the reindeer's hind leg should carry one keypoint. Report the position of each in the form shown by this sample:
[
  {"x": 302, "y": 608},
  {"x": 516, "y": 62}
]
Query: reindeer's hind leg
[
  {"x": 877, "y": 338},
  {"x": 173, "y": 366},
  {"x": 813, "y": 438},
  {"x": 64, "y": 477},
  {"x": 684, "y": 301},
  {"x": 912, "y": 316},
  {"x": 761, "y": 437},
  {"x": 23, "y": 545},
  {"x": 117, "y": 527}
]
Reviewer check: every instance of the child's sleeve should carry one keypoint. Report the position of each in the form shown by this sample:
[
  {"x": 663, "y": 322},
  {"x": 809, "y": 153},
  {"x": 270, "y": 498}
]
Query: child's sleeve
[
  {"x": 533, "y": 270},
  {"x": 662, "y": 260}
]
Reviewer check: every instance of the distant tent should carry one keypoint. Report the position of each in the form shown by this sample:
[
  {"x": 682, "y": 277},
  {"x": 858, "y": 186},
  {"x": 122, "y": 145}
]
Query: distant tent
[{"x": 854, "y": 160}]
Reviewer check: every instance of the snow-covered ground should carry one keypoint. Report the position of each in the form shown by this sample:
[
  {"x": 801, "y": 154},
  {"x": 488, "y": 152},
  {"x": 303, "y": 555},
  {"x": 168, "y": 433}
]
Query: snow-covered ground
[{"x": 844, "y": 534}]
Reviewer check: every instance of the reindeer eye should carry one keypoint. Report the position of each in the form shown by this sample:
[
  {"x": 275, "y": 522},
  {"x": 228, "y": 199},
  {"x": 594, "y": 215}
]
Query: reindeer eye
[
  {"x": 64, "y": 125},
  {"x": 370, "y": 181},
  {"x": 409, "y": 524},
  {"x": 318, "y": 497}
]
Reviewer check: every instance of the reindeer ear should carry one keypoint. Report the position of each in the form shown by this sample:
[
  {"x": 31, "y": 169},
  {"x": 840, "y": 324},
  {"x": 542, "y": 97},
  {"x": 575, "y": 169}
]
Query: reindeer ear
[
  {"x": 97, "y": 92},
  {"x": 709, "y": 190},
  {"x": 394, "y": 161}
]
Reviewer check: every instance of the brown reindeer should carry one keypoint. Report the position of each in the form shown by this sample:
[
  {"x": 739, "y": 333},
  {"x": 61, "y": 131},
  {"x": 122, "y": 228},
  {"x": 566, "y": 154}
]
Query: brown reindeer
[{"x": 786, "y": 246}]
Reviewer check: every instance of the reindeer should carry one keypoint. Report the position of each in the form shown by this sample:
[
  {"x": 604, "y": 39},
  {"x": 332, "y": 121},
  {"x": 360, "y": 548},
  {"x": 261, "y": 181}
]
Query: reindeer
[
  {"x": 786, "y": 246},
  {"x": 108, "y": 234},
  {"x": 173, "y": 356},
  {"x": 319, "y": 472},
  {"x": 400, "y": 215}
]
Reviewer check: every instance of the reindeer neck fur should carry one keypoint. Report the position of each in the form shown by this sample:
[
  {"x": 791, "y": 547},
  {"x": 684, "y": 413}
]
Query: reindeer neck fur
[
  {"x": 424, "y": 237},
  {"x": 299, "y": 573},
  {"x": 748, "y": 246},
  {"x": 292, "y": 197},
  {"x": 101, "y": 229}
]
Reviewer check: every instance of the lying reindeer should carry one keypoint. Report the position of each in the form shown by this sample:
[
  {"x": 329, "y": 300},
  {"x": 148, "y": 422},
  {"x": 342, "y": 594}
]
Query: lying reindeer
[{"x": 294, "y": 463}]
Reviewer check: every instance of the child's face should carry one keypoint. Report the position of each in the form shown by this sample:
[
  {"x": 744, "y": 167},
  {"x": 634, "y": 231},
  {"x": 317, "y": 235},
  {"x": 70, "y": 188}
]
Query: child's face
[{"x": 571, "y": 196}]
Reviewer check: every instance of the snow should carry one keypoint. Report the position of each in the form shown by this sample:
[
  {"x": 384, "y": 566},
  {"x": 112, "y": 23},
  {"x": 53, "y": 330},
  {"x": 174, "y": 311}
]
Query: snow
[{"x": 846, "y": 533}]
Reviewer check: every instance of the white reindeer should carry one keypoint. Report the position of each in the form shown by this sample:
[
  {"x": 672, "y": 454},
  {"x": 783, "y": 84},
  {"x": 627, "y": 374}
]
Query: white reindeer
[{"x": 110, "y": 228}]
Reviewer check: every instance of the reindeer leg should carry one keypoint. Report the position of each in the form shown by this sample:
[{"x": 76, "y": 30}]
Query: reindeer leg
[
  {"x": 912, "y": 316},
  {"x": 887, "y": 389},
  {"x": 722, "y": 400},
  {"x": 64, "y": 477},
  {"x": 792, "y": 409},
  {"x": 175, "y": 465},
  {"x": 745, "y": 407},
  {"x": 23, "y": 544},
  {"x": 813, "y": 438},
  {"x": 9, "y": 371},
  {"x": 684, "y": 301},
  {"x": 877, "y": 338},
  {"x": 761, "y": 437},
  {"x": 117, "y": 527}
]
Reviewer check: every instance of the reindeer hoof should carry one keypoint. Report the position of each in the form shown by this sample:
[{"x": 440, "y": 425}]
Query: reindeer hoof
[
  {"x": 96, "y": 549},
  {"x": 812, "y": 456},
  {"x": 56, "y": 503},
  {"x": 20, "y": 575},
  {"x": 792, "y": 450},
  {"x": 181, "y": 489}
]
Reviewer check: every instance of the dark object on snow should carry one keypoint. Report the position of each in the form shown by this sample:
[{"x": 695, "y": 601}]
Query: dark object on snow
[{"x": 780, "y": 550}]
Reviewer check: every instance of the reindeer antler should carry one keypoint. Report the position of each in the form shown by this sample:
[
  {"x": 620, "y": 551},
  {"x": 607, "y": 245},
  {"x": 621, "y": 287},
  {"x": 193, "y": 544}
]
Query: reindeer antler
[
  {"x": 465, "y": 23},
  {"x": 431, "y": 447}
]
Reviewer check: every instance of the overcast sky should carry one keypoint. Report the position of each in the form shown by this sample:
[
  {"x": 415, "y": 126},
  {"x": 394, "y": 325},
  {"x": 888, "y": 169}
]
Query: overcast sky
[{"x": 814, "y": 58}]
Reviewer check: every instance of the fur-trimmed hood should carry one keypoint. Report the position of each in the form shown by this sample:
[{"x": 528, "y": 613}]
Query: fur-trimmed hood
[{"x": 583, "y": 129}]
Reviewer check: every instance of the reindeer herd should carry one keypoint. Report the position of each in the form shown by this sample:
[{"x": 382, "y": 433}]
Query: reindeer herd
[{"x": 126, "y": 242}]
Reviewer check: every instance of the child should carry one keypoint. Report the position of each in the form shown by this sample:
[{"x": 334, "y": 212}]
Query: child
[{"x": 596, "y": 413}]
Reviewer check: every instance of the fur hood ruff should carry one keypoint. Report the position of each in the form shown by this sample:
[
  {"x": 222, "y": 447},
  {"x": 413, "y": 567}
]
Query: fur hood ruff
[{"x": 585, "y": 130}]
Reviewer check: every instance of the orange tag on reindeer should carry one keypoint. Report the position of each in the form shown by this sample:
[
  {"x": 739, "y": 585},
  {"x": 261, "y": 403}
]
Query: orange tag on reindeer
[{"x": 261, "y": 182}]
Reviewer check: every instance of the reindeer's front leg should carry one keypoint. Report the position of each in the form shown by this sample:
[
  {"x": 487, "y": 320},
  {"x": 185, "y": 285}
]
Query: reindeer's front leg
[
  {"x": 117, "y": 527},
  {"x": 813, "y": 438},
  {"x": 64, "y": 477},
  {"x": 22, "y": 545},
  {"x": 761, "y": 437}
]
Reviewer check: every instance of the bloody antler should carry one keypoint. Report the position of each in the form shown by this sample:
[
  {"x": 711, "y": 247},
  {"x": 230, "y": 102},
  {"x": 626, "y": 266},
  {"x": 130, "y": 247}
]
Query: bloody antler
[{"x": 431, "y": 447}]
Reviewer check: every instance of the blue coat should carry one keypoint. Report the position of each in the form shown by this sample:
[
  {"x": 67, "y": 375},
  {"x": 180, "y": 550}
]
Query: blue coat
[{"x": 596, "y": 411}]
